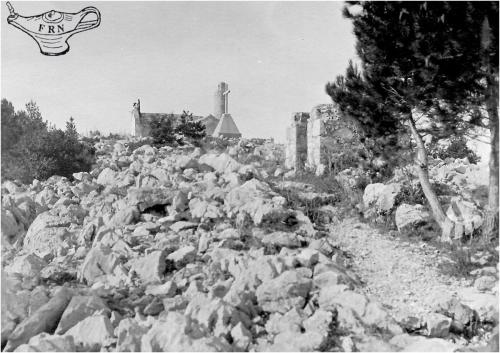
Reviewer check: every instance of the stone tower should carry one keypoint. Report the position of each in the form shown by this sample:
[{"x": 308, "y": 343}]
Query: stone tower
[{"x": 221, "y": 100}]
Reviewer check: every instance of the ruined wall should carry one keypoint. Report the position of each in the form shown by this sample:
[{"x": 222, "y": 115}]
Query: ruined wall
[
  {"x": 296, "y": 145},
  {"x": 329, "y": 132}
]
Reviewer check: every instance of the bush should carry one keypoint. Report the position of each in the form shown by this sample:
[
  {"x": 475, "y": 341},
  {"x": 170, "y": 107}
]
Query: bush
[
  {"x": 171, "y": 131},
  {"x": 33, "y": 150},
  {"x": 457, "y": 148}
]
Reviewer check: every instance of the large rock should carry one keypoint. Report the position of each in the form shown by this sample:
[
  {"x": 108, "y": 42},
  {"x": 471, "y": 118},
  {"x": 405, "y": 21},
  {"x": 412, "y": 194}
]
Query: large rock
[
  {"x": 46, "y": 234},
  {"x": 222, "y": 163},
  {"x": 44, "y": 342},
  {"x": 284, "y": 292},
  {"x": 146, "y": 197},
  {"x": 176, "y": 333},
  {"x": 256, "y": 199},
  {"x": 99, "y": 261},
  {"x": 45, "y": 319},
  {"x": 129, "y": 334},
  {"x": 78, "y": 309},
  {"x": 438, "y": 325},
  {"x": 28, "y": 265},
  {"x": 381, "y": 197},
  {"x": 108, "y": 177},
  {"x": 465, "y": 213},
  {"x": 92, "y": 333},
  {"x": 151, "y": 267},
  {"x": 410, "y": 216},
  {"x": 329, "y": 300}
]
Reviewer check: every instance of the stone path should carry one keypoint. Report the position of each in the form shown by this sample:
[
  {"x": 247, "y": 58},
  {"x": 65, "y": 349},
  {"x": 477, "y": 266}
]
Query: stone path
[{"x": 403, "y": 276}]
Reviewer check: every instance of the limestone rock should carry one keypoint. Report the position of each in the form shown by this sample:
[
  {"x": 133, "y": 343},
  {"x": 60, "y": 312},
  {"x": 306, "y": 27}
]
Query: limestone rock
[
  {"x": 241, "y": 337},
  {"x": 129, "y": 334},
  {"x": 381, "y": 197},
  {"x": 466, "y": 213},
  {"x": 28, "y": 265},
  {"x": 438, "y": 325},
  {"x": 150, "y": 268},
  {"x": 182, "y": 256},
  {"x": 283, "y": 292},
  {"x": 348, "y": 299},
  {"x": 45, "y": 319},
  {"x": 485, "y": 283},
  {"x": 410, "y": 216},
  {"x": 78, "y": 309},
  {"x": 44, "y": 342},
  {"x": 145, "y": 197},
  {"x": 92, "y": 332},
  {"x": 99, "y": 261}
]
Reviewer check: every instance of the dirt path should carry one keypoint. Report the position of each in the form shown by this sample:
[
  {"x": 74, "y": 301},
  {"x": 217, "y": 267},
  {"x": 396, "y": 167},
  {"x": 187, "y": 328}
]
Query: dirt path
[{"x": 403, "y": 276}]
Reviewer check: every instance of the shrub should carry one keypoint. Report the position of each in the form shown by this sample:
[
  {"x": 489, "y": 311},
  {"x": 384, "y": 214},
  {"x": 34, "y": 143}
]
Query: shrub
[
  {"x": 190, "y": 129},
  {"x": 172, "y": 131},
  {"x": 33, "y": 150},
  {"x": 163, "y": 132},
  {"x": 457, "y": 148}
]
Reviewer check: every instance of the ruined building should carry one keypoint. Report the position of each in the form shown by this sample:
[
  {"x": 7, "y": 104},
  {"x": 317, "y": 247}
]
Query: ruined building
[
  {"x": 221, "y": 124},
  {"x": 314, "y": 138}
]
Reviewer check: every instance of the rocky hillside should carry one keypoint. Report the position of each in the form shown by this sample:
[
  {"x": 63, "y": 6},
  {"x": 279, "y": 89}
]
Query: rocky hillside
[{"x": 179, "y": 250}]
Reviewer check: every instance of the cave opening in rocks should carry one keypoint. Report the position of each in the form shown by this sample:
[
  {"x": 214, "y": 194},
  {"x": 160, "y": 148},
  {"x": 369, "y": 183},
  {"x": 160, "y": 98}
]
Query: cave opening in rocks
[{"x": 157, "y": 210}]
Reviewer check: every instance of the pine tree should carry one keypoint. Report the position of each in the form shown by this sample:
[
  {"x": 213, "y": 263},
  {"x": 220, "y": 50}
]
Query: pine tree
[{"x": 420, "y": 59}]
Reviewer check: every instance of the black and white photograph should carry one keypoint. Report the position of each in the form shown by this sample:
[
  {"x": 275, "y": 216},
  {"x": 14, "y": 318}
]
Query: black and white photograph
[{"x": 249, "y": 176}]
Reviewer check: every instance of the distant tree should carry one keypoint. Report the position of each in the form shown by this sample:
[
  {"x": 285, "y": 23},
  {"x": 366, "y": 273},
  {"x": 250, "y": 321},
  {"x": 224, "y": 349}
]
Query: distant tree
[
  {"x": 163, "y": 132},
  {"x": 421, "y": 60},
  {"x": 32, "y": 149},
  {"x": 71, "y": 128},
  {"x": 189, "y": 128}
]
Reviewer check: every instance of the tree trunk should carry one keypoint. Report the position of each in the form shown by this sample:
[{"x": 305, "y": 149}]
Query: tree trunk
[
  {"x": 490, "y": 227},
  {"x": 440, "y": 217}
]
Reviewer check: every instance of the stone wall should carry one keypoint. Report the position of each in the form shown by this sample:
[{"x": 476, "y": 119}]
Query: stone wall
[
  {"x": 315, "y": 139},
  {"x": 329, "y": 132},
  {"x": 296, "y": 146}
]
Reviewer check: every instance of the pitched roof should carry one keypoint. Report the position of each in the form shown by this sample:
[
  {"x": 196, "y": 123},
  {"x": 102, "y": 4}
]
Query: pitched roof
[{"x": 226, "y": 127}]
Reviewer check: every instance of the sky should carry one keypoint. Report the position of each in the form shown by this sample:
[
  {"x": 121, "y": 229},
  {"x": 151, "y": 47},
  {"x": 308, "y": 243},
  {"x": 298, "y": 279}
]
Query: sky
[{"x": 276, "y": 57}]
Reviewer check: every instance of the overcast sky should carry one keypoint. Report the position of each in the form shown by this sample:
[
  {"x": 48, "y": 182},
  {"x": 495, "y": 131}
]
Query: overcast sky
[{"x": 275, "y": 56}]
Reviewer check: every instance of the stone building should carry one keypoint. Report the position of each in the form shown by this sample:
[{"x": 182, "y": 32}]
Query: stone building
[
  {"x": 221, "y": 124},
  {"x": 313, "y": 139}
]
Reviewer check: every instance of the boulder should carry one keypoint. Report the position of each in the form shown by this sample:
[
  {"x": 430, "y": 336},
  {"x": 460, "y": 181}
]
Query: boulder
[
  {"x": 150, "y": 268},
  {"x": 284, "y": 292},
  {"x": 108, "y": 177},
  {"x": 46, "y": 234},
  {"x": 129, "y": 334},
  {"x": 100, "y": 261},
  {"x": 222, "y": 163},
  {"x": 381, "y": 197},
  {"x": 465, "y": 213},
  {"x": 177, "y": 333},
  {"x": 78, "y": 309},
  {"x": 438, "y": 325},
  {"x": 92, "y": 333},
  {"x": 410, "y": 216},
  {"x": 328, "y": 300},
  {"x": 485, "y": 283},
  {"x": 183, "y": 256},
  {"x": 146, "y": 197},
  {"x": 45, "y": 319},
  {"x": 44, "y": 342},
  {"x": 28, "y": 265}
]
